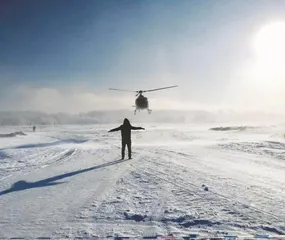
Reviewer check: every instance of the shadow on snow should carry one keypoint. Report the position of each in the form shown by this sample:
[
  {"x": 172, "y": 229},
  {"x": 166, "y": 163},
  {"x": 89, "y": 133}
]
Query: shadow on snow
[
  {"x": 3, "y": 155},
  {"x": 24, "y": 185}
]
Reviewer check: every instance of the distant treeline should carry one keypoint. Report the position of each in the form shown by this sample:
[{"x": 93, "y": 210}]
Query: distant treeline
[{"x": 8, "y": 118}]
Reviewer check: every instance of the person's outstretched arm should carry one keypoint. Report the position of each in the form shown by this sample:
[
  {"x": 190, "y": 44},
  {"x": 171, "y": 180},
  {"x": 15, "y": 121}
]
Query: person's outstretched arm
[
  {"x": 115, "y": 129},
  {"x": 137, "y": 128}
]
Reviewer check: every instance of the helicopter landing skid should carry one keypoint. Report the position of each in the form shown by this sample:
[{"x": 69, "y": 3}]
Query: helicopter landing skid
[
  {"x": 149, "y": 111},
  {"x": 136, "y": 111}
]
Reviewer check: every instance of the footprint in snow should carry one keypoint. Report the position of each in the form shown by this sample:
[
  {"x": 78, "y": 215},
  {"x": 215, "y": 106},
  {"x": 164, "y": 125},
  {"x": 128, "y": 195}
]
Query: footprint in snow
[{"x": 205, "y": 187}]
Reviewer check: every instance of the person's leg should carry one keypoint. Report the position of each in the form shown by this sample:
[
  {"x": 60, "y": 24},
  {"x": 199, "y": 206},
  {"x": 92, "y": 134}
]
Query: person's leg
[
  {"x": 123, "y": 150},
  {"x": 129, "y": 144}
]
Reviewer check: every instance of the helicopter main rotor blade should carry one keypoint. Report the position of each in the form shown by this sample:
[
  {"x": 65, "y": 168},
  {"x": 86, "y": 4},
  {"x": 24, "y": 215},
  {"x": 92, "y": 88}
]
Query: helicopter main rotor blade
[
  {"x": 115, "y": 89},
  {"x": 156, "y": 89}
]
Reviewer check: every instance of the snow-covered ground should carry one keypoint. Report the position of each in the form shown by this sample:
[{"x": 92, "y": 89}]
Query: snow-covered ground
[{"x": 68, "y": 181}]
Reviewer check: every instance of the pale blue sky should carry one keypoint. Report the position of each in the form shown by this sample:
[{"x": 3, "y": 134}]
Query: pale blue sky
[{"x": 89, "y": 46}]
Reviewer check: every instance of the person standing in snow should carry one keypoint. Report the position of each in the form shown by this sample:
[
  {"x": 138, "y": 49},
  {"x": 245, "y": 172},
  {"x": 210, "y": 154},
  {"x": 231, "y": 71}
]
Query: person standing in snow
[{"x": 126, "y": 136}]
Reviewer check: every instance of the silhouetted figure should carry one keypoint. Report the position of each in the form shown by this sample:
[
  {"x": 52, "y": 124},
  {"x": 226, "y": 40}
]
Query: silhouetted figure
[
  {"x": 34, "y": 128},
  {"x": 126, "y": 136}
]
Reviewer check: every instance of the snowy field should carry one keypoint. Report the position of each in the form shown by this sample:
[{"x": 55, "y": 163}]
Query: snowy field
[{"x": 67, "y": 182}]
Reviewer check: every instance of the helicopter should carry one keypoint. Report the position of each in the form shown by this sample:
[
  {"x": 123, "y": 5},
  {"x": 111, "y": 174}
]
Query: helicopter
[{"x": 141, "y": 101}]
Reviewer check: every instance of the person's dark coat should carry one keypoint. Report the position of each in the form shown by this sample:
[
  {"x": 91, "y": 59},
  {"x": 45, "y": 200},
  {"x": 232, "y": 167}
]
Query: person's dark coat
[{"x": 126, "y": 129}]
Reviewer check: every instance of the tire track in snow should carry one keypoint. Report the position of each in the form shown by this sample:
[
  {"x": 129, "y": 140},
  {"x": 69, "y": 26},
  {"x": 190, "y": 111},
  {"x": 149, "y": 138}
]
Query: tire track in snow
[
  {"x": 106, "y": 214},
  {"x": 244, "y": 209},
  {"x": 100, "y": 204},
  {"x": 195, "y": 158},
  {"x": 222, "y": 195}
]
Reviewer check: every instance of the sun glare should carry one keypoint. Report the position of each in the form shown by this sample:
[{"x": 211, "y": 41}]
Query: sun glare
[{"x": 269, "y": 45}]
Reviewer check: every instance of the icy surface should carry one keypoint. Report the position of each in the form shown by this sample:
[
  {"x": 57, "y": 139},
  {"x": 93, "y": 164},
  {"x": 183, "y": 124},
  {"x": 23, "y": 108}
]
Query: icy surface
[{"x": 69, "y": 181}]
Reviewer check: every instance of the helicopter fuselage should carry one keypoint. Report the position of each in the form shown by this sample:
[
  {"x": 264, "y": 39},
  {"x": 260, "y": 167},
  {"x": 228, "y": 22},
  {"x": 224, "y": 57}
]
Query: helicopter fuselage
[{"x": 141, "y": 102}]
